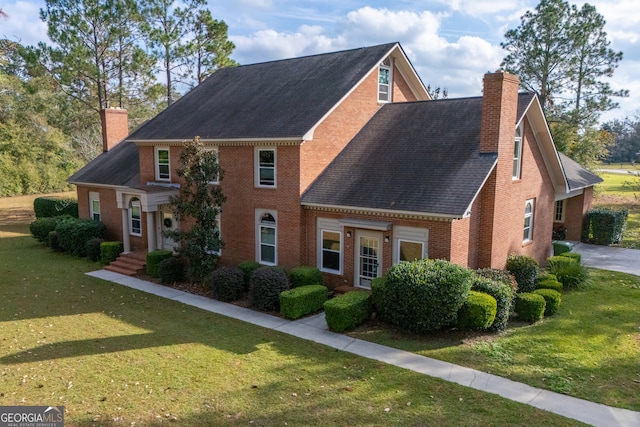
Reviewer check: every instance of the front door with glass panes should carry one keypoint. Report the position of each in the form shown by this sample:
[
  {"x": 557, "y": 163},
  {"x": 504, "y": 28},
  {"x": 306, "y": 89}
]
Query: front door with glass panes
[{"x": 368, "y": 257}]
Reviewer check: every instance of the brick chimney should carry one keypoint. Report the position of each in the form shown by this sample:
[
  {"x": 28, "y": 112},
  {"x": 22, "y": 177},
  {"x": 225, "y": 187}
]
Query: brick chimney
[
  {"x": 499, "y": 111},
  {"x": 115, "y": 127}
]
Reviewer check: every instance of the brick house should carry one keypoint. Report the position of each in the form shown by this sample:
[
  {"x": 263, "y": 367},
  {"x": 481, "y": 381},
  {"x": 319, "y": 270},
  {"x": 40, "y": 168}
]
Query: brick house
[{"x": 342, "y": 161}]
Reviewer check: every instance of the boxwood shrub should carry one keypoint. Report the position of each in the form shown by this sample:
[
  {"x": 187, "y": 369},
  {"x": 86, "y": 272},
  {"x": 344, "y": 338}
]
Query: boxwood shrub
[
  {"x": 47, "y": 207},
  {"x": 425, "y": 295},
  {"x": 154, "y": 258},
  {"x": 109, "y": 251},
  {"x": 552, "y": 300},
  {"x": 53, "y": 241},
  {"x": 546, "y": 276},
  {"x": 171, "y": 270},
  {"x": 304, "y": 275},
  {"x": 41, "y": 227},
  {"x": 248, "y": 267},
  {"x": 378, "y": 287},
  {"x": 525, "y": 270},
  {"x": 477, "y": 312},
  {"x": 73, "y": 234},
  {"x": 498, "y": 275},
  {"x": 227, "y": 283},
  {"x": 549, "y": 284},
  {"x": 348, "y": 310},
  {"x": 530, "y": 307},
  {"x": 266, "y": 285},
  {"x": 303, "y": 300},
  {"x": 573, "y": 255},
  {"x": 503, "y": 294},
  {"x": 93, "y": 249}
]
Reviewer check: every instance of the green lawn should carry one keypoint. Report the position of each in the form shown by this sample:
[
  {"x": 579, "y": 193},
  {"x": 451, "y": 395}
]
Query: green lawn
[
  {"x": 114, "y": 356},
  {"x": 614, "y": 194}
]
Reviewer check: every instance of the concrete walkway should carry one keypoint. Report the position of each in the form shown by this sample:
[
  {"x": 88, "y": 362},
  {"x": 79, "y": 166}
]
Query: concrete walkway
[
  {"x": 609, "y": 258},
  {"x": 315, "y": 329}
]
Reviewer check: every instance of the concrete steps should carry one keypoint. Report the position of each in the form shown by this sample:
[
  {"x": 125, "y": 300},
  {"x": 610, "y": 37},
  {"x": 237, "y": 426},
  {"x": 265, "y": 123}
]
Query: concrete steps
[{"x": 128, "y": 264}]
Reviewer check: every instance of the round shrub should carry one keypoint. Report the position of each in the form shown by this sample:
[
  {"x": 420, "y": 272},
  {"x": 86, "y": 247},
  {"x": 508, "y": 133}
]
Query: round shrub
[
  {"x": 552, "y": 300},
  {"x": 73, "y": 234},
  {"x": 109, "y": 251},
  {"x": 425, "y": 295},
  {"x": 41, "y": 227},
  {"x": 498, "y": 275},
  {"x": 530, "y": 307},
  {"x": 154, "y": 258},
  {"x": 525, "y": 270},
  {"x": 227, "y": 283},
  {"x": 546, "y": 276},
  {"x": 248, "y": 267},
  {"x": 573, "y": 255},
  {"x": 53, "y": 241},
  {"x": 568, "y": 271},
  {"x": 478, "y": 311},
  {"x": 266, "y": 285},
  {"x": 305, "y": 276},
  {"x": 503, "y": 293},
  {"x": 549, "y": 284},
  {"x": 171, "y": 270},
  {"x": 93, "y": 249},
  {"x": 378, "y": 286}
]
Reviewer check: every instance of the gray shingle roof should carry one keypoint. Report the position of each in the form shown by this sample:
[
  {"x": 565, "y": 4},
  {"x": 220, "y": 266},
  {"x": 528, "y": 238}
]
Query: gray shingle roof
[
  {"x": 577, "y": 176},
  {"x": 417, "y": 156},
  {"x": 279, "y": 99},
  {"x": 117, "y": 167}
]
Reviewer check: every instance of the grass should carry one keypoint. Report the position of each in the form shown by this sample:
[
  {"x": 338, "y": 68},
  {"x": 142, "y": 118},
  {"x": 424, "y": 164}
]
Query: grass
[
  {"x": 115, "y": 356},
  {"x": 614, "y": 194}
]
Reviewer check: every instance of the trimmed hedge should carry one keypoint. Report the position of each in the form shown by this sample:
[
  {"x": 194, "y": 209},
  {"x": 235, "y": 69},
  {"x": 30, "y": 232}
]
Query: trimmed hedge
[
  {"x": 303, "y": 300},
  {"x": 73, "y": 234},
  {"x": 93, "y": 249},
  {"x": 248, "y": 267},
  {"x": 530, "y": 307},
  {"x": 604, "y": 226},
  {"x": 47, "y": 207},
  {"x": 266, "y": 285},
  {"x": 304, "y": 276},
  {"x": 154, "y": 258},
  {"x": 549, "y": 284},
  {"x": 573, "y": 255},
  {"x": 568, "y": 271},
  {"x": 171, "y": 270},
  {"x": 348, "y": 310},
  {"x": 497, "y": 275},
  {"x": 53, "y": 241},
  {"x": 41, "y": 227},
  {"x": 109, "y": 251},
  {"x": 503, "y": 294},
  {"x": 378, "y": 288},
  {"x": 546, "y": 276},
  {"x": 552, "y": 300},
  {"x": 227, "y": 283},
  {"x": 425, "y": 295},
  {"x": 478, "y": 311},
  {"x": 525, "y": 270}
]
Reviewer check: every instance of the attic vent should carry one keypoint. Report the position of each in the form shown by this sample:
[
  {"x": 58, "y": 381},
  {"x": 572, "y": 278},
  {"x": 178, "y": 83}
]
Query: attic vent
[{"x": 384, "y": 81}]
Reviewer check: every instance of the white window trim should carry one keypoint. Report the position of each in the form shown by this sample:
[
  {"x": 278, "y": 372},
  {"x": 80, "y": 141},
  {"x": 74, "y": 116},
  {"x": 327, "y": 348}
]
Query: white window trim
[
  {"x": 531, "y": 216},
  {"x": 517, "y": 157},
  {"x": 256, "y": 168},
  {"x": 137, "y": 204},
  {"x": 259, "y": 225},
  {"x": 332, "y": 226},
  {"x": 412, "y": 235},
  {"x": 390, "y": 84},
  {"x": 157, "y": 163},
  {"x": 215, "y": 150},
  {"x": 94, "y": 197},
  {"x": 563, "y": 210}
]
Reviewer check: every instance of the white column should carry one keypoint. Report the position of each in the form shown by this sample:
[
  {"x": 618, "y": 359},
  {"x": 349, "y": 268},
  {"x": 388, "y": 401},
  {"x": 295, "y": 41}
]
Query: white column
[
  {"x": 151, "y": 231},
  {"x": 125, "y": 231}
]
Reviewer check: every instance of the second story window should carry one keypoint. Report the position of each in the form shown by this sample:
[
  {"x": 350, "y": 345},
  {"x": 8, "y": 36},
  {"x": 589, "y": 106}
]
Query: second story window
[
  {"x": 384, "y": 81},
  {"x": 163, "y": 168},
  {"x": 265, "y": 167}
]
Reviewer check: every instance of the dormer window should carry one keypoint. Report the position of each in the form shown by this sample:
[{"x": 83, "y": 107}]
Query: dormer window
[{"x": 384, "y": 81}]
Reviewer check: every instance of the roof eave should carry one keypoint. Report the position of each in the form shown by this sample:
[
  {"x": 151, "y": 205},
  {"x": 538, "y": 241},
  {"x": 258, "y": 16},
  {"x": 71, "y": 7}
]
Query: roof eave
[{"x": 426, "y": 215}]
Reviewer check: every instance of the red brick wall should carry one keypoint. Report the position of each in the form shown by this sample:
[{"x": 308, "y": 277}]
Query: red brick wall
[{"x": 576, "y": 209}]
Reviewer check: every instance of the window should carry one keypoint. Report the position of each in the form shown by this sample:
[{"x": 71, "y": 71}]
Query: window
[
  {"x": 528, "y": 220},
  {"x": 135, "y": 219},
  {"x": 559, "y": 212},
  {"x": 517, "y": 153},
  {"x": 265, "y": 167},
  {"x": 216, "y": 229},
  {"x": 216, "y": 179},
  {"x": 267, "y": 238},
  {"x": 384, "y": 81},
  {"x": 331, "y": 251},
  {"x": 163, "y": 169},
  {"x": 410, "y": 251},
  {"x": 410, "y": 243},
  {"x": 94, "y": 205}
]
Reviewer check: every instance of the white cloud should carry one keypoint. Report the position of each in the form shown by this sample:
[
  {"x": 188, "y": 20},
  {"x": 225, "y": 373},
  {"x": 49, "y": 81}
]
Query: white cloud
[{"x": 24, "y": 24}]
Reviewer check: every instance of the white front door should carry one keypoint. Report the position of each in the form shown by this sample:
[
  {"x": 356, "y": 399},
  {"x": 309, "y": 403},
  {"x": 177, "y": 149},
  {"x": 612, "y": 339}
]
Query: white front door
[
  {"x": 168, "y": 222},
  {"x": 368, "y": 257}
]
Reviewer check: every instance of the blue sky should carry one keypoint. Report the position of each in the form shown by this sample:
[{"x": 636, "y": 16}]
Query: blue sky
[{"x": 452, "y": 43}]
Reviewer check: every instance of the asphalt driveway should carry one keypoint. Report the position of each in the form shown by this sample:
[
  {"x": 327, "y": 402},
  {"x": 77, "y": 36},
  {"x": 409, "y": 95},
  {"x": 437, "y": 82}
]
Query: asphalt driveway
[{"x": 609, "y": 258}]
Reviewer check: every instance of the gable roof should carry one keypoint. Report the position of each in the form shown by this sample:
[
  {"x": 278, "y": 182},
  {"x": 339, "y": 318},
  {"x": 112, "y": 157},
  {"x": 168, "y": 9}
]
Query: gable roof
[
  {"x": 278, "y": 99},
  {"x": 577, "y": 176},
  {"x": 118, "y": 167}
]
